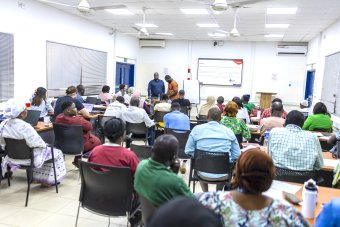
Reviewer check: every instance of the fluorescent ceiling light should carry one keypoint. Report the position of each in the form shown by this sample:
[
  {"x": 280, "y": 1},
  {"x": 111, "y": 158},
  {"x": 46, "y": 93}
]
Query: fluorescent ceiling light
[
  {"x": 164, "y": 33},
  {"x": 147, "y": 25},
  {"x": 119, "y": 11},
  {"x": 274, "y": 36},
  {"x": 277, "y": 25},
  {"x": 194, "y": 11},
  {"x": 214, "y": 34},
  {"x": 208, "y": 25},
  {"x": 281, "y": 10}
]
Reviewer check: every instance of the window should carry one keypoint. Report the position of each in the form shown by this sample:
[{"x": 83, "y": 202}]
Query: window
[
  {"x": 70, "y": 65},
  {"x": 6, "y": 66}
]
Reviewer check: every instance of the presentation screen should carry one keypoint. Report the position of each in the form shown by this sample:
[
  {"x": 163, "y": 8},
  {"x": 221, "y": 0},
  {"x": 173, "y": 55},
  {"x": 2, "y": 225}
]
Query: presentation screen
[{"x": 227, "y": 72}]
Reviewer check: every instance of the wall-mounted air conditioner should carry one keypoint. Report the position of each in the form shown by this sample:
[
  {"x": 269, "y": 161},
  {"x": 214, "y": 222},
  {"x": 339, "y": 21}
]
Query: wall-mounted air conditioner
[
  {"x": 290, "y": 49},
  {"x": 152, "y": 43}
]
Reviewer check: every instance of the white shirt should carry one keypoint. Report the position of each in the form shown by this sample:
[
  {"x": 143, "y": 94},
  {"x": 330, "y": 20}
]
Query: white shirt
[
  {"x": 243, "y": 114},
  {"x": 134, "y": 114},
  {"x": 163, "y": 106},
  {"x": 115, "y": 109}
]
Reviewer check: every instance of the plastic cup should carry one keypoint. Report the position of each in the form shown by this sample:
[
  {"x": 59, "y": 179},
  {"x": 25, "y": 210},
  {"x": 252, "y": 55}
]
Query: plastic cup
[{"x": 47, "y": 120}]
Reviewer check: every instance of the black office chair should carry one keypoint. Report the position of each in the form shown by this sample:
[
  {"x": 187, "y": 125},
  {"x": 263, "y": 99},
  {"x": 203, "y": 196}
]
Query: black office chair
[
  {"x": 136, "y": 131},
  {"x": 194, "y": 123},
  {"x": 18, "y": 149},
  {"x": 100, "y": 125},
  {"x": 182, "y": 137},
  {"x": 295, "y": 175},
  {"x": 147, "y": 209},
  {"x": 142, "y": 151},
  {"x": 107, "y": 192},
  {"x": 32, "y": 117},
  {"x": 159, "y": 117},
  {"x": 202, "y": 117},
  {"x": 210, "y": 162},
  {"x": 93, "y": 100},
  {"x": 69, "y": 138},
  {"x": 239, "y": 138},
  {"x": 185, "y": 110}
]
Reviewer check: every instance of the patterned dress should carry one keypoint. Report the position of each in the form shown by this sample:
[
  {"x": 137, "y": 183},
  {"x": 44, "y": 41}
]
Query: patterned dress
[
  {"x": 276, "y": 214},
  {"x": 237, "y": 126}
]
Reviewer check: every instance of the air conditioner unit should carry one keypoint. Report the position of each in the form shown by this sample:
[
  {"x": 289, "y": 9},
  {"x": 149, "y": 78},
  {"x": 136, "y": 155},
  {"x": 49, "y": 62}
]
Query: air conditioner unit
[
  {"x": 152, "y": 43},
  {"x": 298, "y": 50}
]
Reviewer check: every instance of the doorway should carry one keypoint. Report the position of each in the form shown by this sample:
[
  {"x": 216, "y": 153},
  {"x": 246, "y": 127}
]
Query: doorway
[
  {"x": 125, "y": 74},
  {"x": 309, "y": 86}
]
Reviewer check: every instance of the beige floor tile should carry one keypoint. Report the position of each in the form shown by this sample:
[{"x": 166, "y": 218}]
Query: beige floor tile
[
  {"x": 52, "y": 204},
  {"x": 58, "y": 220},
  {"x": 26, "y": 217},
  {"x": 8, "y": 210},
  {"x": 71, "y": 210},
  {"x": 91, "y": 223}
]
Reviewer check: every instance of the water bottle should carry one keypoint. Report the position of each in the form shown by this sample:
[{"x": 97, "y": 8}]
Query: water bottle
[
  {"x": 159, "y": 97},
  {"x": 266, "y": 137},
  {"x": 183, "y": 167},
  {"x": 258, "y": 113},
  {"x": 309, "y": 197}
]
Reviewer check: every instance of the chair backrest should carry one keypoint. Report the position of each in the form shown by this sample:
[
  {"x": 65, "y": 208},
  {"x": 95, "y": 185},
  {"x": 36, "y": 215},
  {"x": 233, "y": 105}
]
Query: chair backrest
[
  {"x": 182, "y": 137},
  {"x": 102, "y": 119},
  {"x": 147, "y": 209},
  {"x": 323, "y": 129},
  {"x": 202, "y": 117},
  {"x": 338, "y": 150},
  {"x": 212, "y": 162},
  {"x": 293, "y": 175},
  {"x": 239, "y": 138},
  {"x": 185, "y": 110},
  {"x": 193, "y": 123},
  {"x": 18, "y": 149},
  {"x": 106, "y": 192},
  {"x": 93, "y": 100},
  {"x": 68, "y": 138},
  {"x": 136, "y": 128},
  {"x": 142, "y": 151},
  {"x": 32, "y": 117},
  {"x": 159, "y": 116}
]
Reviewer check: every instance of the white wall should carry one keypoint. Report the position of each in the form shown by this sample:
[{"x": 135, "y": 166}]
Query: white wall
[
  {"x": 32, "y": 26},
  {"x": 260, "y": 63}
]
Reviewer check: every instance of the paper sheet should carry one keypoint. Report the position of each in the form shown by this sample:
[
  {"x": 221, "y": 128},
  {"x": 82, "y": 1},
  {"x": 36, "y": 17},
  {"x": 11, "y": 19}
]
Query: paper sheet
[
  {"x": 318, "y": 134},
  {"x": 330, "y": 162},
  {"x": 275, "y": 191}
]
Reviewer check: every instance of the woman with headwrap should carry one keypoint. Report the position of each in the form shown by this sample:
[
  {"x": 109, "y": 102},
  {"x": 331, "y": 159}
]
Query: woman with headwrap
[
  {"x": 207, "y": 106},
  {"x": 40, "y": 102},
  {"x": 15, "y": 128}
]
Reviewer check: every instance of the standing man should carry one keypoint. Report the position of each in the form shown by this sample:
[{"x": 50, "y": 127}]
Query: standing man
[
  {"x": 172, "y": 88},
  {"x": 156, "y": 87}
]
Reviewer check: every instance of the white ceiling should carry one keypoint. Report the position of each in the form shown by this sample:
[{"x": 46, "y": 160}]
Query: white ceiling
[{"x": 312, "y": 17}]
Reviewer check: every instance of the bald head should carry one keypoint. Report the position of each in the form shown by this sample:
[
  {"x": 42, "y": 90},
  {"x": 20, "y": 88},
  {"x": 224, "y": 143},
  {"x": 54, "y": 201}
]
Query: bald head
[
  {"x": 214, "y": 114},
  {"x": 276, "y": 109},
  {"x": 156, "y": 76},
  {"x": 165, "y": 149}
]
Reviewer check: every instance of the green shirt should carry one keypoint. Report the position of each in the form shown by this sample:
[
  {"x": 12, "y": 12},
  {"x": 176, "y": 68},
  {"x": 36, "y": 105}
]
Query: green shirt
[
  {"x": 236, "y": 125},
  {"x": 249, "y": 106},
  {"x": 158, "y": 184},
  {"x": 316, "y": 121}
]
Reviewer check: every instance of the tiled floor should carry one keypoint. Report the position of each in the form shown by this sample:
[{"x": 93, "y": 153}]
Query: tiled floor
[{"x": 46, "y": 207}]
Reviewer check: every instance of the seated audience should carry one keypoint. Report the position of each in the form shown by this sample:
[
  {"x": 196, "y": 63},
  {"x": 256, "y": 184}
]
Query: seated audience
[
  {"x": 143, "y": 103},
  {"x": 184, "y": 212},
  {"x": 71, "y": 94},
  {"x": 80, "y": 93},
  {"x": 128, "y": 95},
  {"x": 242, "y": 112},
  {"x": 246, "y": 206},
  {"x": 163, "y": 106},
  {"x": 69, "y": 117},
  {"x": 40, "y": 102},
  {"x": 235, "y": 124},
  {"x": 304, "y": 106},
  {"x": 207, "y": 106},
  {"x": 153, "y": 178},
  {"x": 116, "y": 108},
  {"x": 333, "y": 141},
  {"x": 246, "y": 104},
  {"x": 294, "y": 148},
  {"x": 134, "y": 114},
  {"x": 105, "y": 95},
  {"x": 214, "y": 137},
  {"x": 220, "y": 101},
  {"x": 122, "y": 90},
  {"x": 182, "y": 100},
  {"x": 266, "y": 113},
  {"x": 275, "y": 120},
  {"x": 15, "y": 128},
  {"x": 319, "y": 120},
  {"x": 330, "y": 215},
  {"x": 176, "y": 119}
]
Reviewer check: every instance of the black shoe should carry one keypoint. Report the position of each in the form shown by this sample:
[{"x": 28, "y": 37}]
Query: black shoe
[
  {"x": 8, "y": 175},
  {"x": 136, "y": 219},
  {"x": 76, "y": 164}
]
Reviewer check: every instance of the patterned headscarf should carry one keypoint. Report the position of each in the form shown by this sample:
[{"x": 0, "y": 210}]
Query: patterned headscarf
[{"x": 14, "y": 108}]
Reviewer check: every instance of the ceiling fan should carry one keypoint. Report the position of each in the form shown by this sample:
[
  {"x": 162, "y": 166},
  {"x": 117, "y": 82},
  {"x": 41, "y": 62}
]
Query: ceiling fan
[
  {"x": 84, "y": 6},
  {"x": 223, "y": 5}
]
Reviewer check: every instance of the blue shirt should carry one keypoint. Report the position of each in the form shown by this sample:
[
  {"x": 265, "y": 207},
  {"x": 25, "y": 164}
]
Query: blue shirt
[
  {"x": 330, "y": 215},
  {"x": 155, "y": 88},
  {"x": 213, "y": 136},
  {"x": 177, "y": 120},
  {"x": 80, "y": 98}
]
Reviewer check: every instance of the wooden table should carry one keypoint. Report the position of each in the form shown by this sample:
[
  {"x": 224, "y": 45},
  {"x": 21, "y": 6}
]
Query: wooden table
[
  {"x": 265, "y": 99},
  {"x": 40, "y": 127},
  {"x": 45, "y": 132},
  {"x": 99, "y": 107}
]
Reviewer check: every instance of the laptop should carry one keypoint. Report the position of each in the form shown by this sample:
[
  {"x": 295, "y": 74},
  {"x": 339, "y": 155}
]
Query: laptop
[
  {"x": 88, "y": 106},
  {"x": 32, "y": 117}
]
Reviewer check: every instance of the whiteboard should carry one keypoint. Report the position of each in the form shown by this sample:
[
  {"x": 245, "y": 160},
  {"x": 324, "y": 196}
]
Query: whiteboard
[
  {"x": 227, "y": 72},
  {"x": 192, "y": 90}
]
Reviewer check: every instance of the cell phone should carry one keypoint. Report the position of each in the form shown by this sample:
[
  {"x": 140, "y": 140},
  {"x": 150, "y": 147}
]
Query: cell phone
[{"x": 291, "y": 198}]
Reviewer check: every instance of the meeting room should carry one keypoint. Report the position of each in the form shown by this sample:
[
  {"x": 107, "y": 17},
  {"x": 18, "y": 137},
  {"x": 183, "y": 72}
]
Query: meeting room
[{"x": 164, "y": 113}]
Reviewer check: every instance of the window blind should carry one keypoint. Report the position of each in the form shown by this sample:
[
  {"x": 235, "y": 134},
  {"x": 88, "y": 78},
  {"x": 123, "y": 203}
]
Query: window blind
[{"x": 6, "y": 66}]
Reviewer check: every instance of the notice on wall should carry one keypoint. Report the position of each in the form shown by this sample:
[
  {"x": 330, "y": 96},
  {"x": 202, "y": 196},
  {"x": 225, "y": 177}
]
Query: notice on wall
[{"x": 227, "y": 72}]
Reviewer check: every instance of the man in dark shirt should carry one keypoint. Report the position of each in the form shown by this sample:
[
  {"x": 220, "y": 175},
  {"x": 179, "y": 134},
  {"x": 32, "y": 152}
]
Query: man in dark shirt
[
  {"x": 182, "y": 101},
  {"x": 156, "y": 87}
]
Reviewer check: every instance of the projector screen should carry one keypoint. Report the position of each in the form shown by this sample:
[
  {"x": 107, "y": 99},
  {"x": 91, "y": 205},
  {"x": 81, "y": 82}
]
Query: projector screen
[{"x": 225, "y": 72}]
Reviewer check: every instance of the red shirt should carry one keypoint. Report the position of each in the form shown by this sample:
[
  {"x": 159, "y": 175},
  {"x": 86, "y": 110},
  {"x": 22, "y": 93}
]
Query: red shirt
[
  {"x": 114, "y": 156},
  {"x": 266, "y": 113}
]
